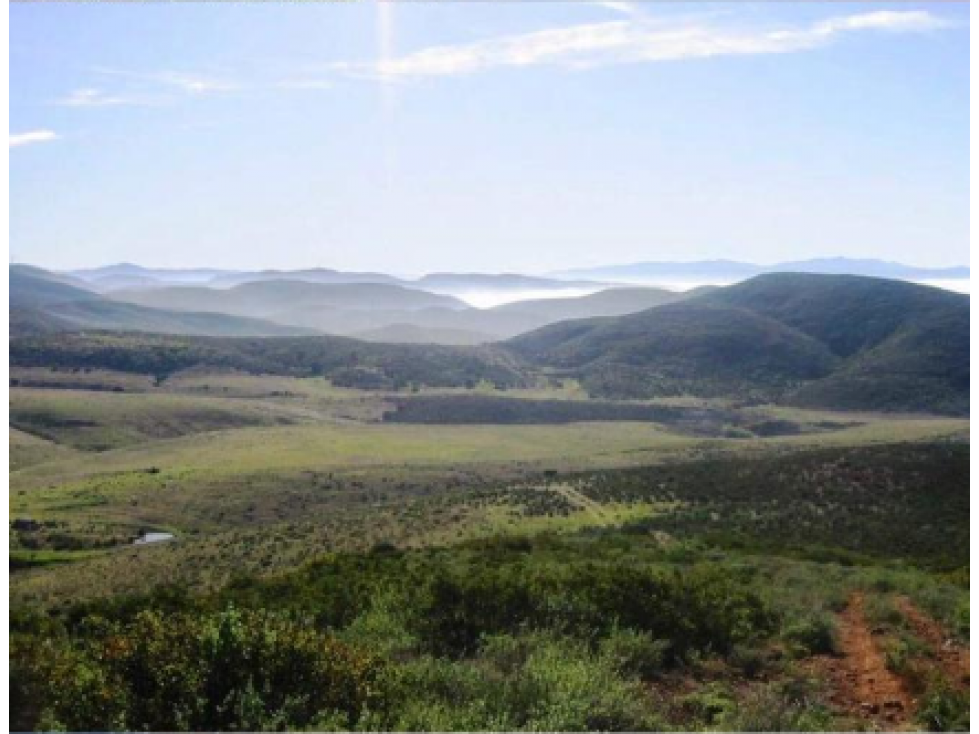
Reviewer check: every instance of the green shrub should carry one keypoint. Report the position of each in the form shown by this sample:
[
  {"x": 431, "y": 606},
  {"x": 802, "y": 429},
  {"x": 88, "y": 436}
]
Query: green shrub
[
  {"x": 535, "y": 681},
  {"x": 749, "y": 660},
  {"x": 230, "y": 670},
  {"x": 635, "y": 653},
  {"x": 944, "y": 709},
  {"x": 961, "y": 618},
  {"x": 773, "y": 708},
  {"x": 814, "y": 635}
]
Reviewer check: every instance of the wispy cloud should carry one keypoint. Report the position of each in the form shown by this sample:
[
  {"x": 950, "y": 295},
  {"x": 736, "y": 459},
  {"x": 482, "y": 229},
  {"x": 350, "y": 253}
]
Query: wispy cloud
[
  {"x": 91, "y": 97},
  {"x": 146, "y": 89},
  {"x": 635, "y": 40},
  {"x": 34, "y": 136},
  {"x": 626, "y": 8},
  {"x": 186, "y": 82}
]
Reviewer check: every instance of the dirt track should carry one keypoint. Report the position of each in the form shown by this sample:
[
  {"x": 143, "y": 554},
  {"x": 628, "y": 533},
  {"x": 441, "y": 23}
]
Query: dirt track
[
  {"x": 862, "y": 685},
  {"x": 952, "y": 658}
]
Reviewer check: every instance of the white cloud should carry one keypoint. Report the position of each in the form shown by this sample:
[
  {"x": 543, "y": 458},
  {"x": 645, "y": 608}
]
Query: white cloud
[
  {"x": 617, "y": 6},
  {"x": 193, "y": 83},
  {"x": 634, "y": 40},
  {"x": 34, "y": 136},
  {"x": 91, "y": 97}
]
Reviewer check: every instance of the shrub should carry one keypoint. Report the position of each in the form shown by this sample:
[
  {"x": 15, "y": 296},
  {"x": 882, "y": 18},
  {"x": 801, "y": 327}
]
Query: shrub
[
  {"x": 750, "y": 660},
  {"x": 772, "y": 708},
  {"x": 635, "y": 653},
  {"x": 815, "y": 635},
  {"x": 535, "y": 681},
  {"x": 944, "y": 709},
  {"x": 229, "y": 670}
]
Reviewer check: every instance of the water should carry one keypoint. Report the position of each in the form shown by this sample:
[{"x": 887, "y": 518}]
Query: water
[{"x": 148, "y": 538}]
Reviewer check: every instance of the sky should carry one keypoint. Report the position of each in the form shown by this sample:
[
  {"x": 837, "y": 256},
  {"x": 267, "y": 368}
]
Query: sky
[{"x": 507, "y": 137}]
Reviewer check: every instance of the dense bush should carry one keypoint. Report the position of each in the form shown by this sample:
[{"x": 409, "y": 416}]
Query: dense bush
[
  {"x": 535, "y": 681},
  {"x": 230, "y": 670},
  {"x": 703, "y": 609}
]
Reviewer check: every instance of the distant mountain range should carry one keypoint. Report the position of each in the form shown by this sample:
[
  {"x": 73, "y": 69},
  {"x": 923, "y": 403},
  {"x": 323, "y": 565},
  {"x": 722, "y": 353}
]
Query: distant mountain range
[
  {"x": 726, "y": 271},
  {"x": 127, "y": 276},
  {"x": 43, "y": 302},
  {"x": 380, "y": 307},
  {"x": 833, "y": 341}
]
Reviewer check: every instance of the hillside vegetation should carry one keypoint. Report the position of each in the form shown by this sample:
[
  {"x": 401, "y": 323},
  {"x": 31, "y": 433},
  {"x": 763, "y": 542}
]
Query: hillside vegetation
[
  {"x": 832, "y": 341},
  {"x": 347, "y": 362}
]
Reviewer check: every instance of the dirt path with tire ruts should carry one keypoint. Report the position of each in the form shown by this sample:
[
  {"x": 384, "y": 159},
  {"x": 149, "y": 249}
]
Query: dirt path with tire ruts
[
  {"x": 951, "y": 657},
  {"x": 861, "y": 684}
]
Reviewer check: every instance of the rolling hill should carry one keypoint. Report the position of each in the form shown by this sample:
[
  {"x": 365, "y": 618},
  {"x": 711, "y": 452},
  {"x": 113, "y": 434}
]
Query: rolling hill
[
  {"x": 380, "y": 311},
  {"x": 285, "y": 301},
  {"x": 609, "y": 302},
  {"x": 680, "y": 348},
  {"x": 731, "y": 270},
  {"x": 43, "y": 302},
  {"x": 820, "y": 340}
]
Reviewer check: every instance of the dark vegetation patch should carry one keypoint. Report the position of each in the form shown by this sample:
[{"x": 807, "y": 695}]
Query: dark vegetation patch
[
  {"x": 830, "y": 341},
  {"x": 907, "y": 501},
  {"x": 347, "y": 362},
  {"x": 172, "y": 661},
  {"x": 490, "y": 409},
  {"x": 499, "y": 410}
]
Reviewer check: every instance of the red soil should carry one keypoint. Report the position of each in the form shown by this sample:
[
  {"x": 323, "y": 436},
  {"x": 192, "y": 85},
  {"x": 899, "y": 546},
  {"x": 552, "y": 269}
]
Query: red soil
[
  {"x": 951, "y": 658},
  {"x": 862, "y": 686}
]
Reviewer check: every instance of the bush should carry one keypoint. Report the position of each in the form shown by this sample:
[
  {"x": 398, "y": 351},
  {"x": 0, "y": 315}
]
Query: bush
[
  {"x": 635, "y": 653},
  {"x": 772, "y": 708},
  {"x": 751, "y": 661},
  {"x": 230, "y": 670},
  {"x": 703, "y": 609},
  {"x": 944, "y": 709},
  {"x": 815, "y": 635},
  {"x": 535, "y": 681}
]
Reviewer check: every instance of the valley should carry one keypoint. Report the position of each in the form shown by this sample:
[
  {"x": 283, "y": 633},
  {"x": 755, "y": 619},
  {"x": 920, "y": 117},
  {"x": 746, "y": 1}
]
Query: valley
[{"x": 697, "y": 515}]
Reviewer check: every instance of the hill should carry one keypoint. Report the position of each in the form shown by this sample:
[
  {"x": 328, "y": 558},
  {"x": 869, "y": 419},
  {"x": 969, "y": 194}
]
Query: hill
[
  {"x": 678, "y": 349},
  {"x": 42, "y": 302},
  {"x": 293, "y": 302},
  {"x": 820, "y": 340},
  {"x": 311, "y": 275},
  {"x": 610, "y": 302},
  {"x": 731, "y": 270},
  {"x": 32, "y": 287},
  {"x": 346, "y": 362},
  {"x": 846, "y": 312},
  {"x": 384, "y": 312},
  {"x": 411, "y": 334}
]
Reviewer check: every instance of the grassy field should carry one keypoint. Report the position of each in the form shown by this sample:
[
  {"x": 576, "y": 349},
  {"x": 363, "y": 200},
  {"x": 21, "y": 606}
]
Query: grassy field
[
  {"x": 259, "y": 478},
  {"x": 27, "y": 449}
]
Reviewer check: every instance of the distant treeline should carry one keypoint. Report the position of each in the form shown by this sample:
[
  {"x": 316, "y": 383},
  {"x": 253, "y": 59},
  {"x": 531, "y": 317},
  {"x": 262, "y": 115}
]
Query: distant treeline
[
  {"x": 346, "y": 362},
  {"x": 492, "y": 409}
]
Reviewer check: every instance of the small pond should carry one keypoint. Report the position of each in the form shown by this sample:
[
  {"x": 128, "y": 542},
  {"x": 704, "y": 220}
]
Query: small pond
[{"x": 147, "y": 538}]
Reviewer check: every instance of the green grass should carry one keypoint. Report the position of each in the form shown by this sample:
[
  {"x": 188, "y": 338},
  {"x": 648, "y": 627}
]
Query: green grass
[
  {"x": 96, "y": 421},
  {"x": 26, "y": 450}
]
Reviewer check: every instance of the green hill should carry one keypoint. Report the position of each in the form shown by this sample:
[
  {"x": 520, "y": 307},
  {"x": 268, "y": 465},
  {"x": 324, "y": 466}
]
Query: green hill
[
  {"x": 346, "y": 362},
  {"x": 678, "y": 349},
  {"x": 848, "y": 313},
  {"x": 817, "y": 340}
]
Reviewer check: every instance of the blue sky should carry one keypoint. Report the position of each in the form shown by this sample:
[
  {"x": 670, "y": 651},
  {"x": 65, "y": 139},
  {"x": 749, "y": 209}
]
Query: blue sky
[{"x": 489, "y": 137}]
